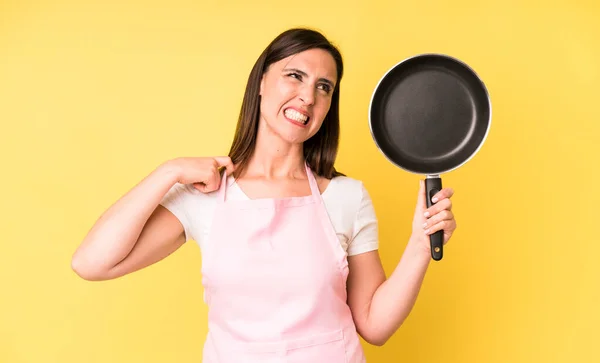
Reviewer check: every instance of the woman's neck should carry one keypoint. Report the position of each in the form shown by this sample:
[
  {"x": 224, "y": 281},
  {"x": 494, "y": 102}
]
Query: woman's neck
[{"x": 274, "y": 158}]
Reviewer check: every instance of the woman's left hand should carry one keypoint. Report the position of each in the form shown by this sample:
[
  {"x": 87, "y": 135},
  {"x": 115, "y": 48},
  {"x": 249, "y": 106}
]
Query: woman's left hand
[{"x": 435, "y": 218}]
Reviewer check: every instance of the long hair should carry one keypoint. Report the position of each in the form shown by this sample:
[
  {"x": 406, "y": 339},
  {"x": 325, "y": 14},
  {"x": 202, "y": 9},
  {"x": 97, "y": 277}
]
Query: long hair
[{"x": 320, "y": 150}]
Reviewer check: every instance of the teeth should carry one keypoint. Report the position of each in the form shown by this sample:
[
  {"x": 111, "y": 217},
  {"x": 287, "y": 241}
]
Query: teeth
[{"x": 295, "y": 115}]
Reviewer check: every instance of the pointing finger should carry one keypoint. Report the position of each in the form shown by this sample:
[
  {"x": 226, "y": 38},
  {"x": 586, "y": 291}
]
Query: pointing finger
[{"x": 225, "y": 161}]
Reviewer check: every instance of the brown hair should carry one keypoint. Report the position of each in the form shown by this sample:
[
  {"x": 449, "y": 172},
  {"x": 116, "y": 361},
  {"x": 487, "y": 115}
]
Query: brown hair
[{"x": 320, "y": 150}]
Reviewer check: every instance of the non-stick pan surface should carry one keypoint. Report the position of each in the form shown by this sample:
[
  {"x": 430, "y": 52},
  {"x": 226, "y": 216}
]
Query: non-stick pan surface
[{"x": 429, "y": 114}]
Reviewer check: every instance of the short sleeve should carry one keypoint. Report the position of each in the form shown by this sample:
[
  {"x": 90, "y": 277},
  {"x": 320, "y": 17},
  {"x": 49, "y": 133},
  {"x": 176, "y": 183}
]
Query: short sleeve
[
  {"x": 176, "y": 202},
  {"x": 365, "y": 233}
]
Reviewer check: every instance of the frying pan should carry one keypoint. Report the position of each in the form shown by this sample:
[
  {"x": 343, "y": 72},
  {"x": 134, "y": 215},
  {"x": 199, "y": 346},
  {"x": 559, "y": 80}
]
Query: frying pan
[{"x": 429, "y": 114}]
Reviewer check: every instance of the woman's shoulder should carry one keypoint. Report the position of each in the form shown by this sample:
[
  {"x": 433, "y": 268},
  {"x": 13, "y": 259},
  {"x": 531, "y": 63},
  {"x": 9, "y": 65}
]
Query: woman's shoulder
[
  {"x": 345, "y": 185},
  {"x": 347, "y": 192},
  {"x": 352, "y": 212}
]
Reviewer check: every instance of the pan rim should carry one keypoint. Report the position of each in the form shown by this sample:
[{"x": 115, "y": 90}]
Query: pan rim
[{"x": 439, "y": 55}]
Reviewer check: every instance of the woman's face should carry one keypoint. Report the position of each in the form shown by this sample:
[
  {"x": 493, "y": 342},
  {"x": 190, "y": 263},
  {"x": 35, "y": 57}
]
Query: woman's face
[{"x": 296, "y": 94}]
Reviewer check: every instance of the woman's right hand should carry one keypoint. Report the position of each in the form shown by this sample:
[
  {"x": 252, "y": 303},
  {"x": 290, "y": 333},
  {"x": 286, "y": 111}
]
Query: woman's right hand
[{"x": 203, "y": 173}]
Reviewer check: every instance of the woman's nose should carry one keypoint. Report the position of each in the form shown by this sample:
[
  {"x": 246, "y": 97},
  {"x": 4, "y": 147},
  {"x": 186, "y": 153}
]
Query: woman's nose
[{"x": 307, "y": 95}]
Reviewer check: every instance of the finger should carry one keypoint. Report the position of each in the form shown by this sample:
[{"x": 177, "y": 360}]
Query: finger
[
  {"x": 200, "y": 186},
  {"x": 444, "y": 193},
  {"x": 211, "y": 184},
  {"x": 225, "y": 161},
  {"x": 205, "y": 187},
  {"x": 214, "y": 182},
  {"x": 444, "y": 215},
  {"x": 445, "y": 225},
  {"x": 438, "y": 207}
]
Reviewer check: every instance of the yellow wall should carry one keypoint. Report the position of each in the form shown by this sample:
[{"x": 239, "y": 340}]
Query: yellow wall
[{"x": 95, "y": 95}]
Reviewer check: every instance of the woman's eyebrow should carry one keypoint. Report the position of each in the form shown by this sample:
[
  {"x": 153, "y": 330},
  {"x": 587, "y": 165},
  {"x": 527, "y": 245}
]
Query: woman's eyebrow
[{"x": 302, "y": 73}]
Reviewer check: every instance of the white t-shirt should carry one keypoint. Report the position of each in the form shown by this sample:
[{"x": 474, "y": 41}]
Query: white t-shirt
[{"x": 346, "y": 200}]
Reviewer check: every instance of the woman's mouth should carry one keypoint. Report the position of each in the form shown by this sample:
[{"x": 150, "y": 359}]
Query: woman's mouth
[{"x": 296, "y": 116}]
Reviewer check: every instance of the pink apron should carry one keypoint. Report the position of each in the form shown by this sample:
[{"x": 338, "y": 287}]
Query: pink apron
[{"x": 274, "y": 275}]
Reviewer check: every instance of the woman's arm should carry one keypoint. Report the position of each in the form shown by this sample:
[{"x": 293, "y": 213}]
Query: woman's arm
[
  {"x": 135, "y": 220},
  {"x": 136, "y": 231},
  {"x": 379, "y": 305}
]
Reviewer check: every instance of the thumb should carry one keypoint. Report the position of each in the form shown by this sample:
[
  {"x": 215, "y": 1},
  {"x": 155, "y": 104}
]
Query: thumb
[
  {"x": 421, "y": 201},
  {"x": 225, "y": 161}
]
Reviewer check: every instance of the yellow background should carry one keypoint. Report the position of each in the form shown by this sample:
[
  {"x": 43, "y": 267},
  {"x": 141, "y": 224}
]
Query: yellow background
[{"x": 95, "y": 94}]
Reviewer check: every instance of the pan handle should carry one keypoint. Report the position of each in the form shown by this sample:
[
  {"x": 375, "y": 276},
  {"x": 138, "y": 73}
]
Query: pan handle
[{"x": 433, "y": 184}]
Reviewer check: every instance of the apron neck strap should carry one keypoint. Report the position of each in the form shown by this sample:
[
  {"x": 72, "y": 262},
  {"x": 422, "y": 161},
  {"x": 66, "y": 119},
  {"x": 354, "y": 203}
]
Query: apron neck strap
[
  {"x": 314, "y": 187},
  {"x": 223, "y": 187}
]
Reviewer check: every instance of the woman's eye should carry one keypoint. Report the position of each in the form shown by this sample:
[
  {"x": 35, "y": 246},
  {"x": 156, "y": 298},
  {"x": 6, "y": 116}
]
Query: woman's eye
[
  {"x": 295, "y": 75},
  {"x": 325, "y": 87}
]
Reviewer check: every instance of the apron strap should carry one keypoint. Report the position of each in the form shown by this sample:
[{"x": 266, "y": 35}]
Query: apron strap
[
  {"x": 222, "y": 188},
  {"x": 314, "y": 187}
]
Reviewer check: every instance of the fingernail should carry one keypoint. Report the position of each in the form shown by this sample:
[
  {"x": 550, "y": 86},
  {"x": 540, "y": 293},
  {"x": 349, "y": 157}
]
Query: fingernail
[
  {"x": 426, "y": 214},
  {"x": 426, "y": 231},
  {"x": 434, "y": 199},
  {"x": 425, "y": 225}
]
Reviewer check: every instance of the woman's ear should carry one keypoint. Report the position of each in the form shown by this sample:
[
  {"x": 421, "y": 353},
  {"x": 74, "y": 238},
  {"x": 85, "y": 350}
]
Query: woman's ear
[{"x": 262, "y": 82}]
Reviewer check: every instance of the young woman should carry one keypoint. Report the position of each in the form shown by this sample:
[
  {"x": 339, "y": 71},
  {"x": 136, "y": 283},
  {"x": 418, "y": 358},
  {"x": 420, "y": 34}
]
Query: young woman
[{"x": 289, "y": 245}]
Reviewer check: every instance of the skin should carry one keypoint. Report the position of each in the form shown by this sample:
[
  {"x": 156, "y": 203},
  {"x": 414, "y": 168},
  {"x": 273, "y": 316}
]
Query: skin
[
  {"x": 136, "y": 231},
  {"x": 305, "y": 83}
]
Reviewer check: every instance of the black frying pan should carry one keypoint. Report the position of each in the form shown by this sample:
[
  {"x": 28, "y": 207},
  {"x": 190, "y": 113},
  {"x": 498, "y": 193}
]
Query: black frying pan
[{"x": 430, "y": 114}]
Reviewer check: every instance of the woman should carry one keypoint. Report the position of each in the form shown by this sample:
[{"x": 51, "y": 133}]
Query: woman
[{"x": 289, "y": 245}]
